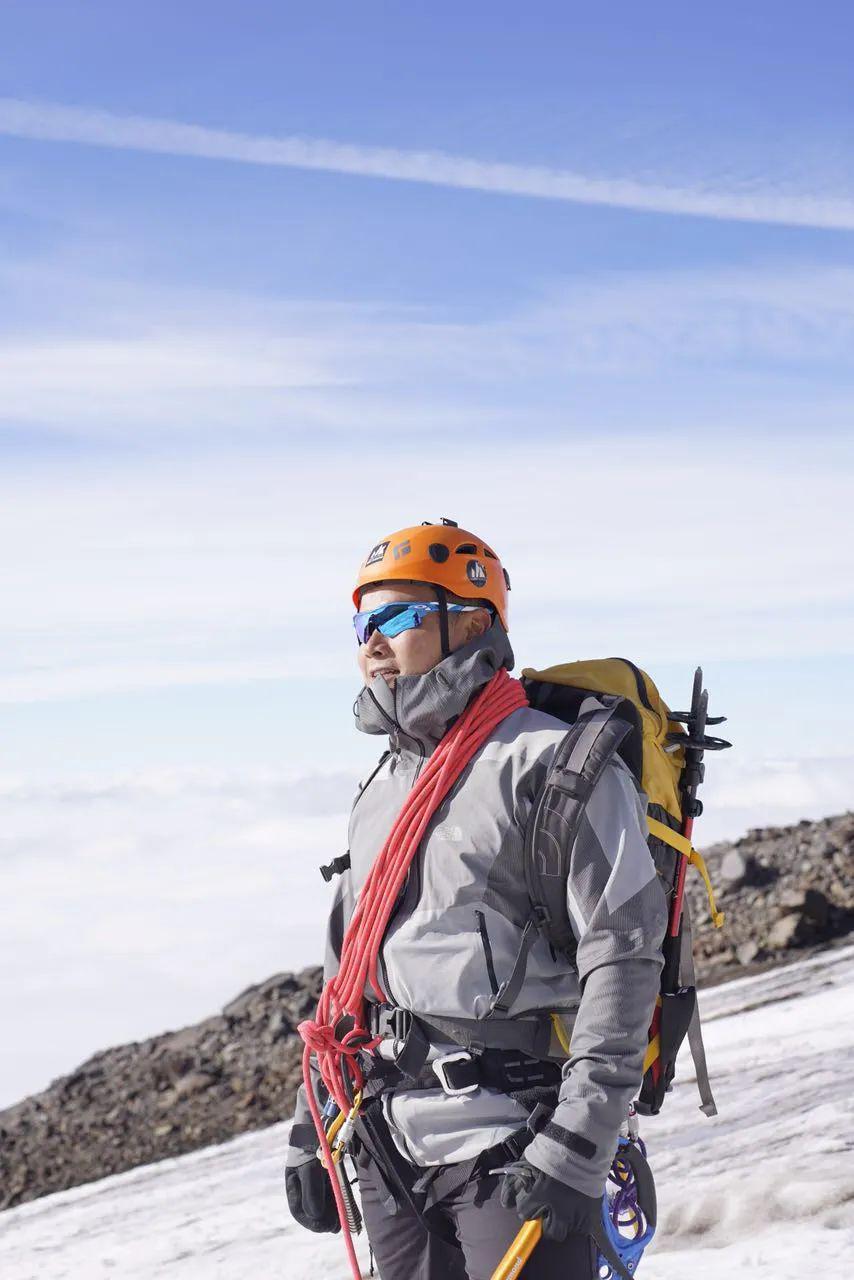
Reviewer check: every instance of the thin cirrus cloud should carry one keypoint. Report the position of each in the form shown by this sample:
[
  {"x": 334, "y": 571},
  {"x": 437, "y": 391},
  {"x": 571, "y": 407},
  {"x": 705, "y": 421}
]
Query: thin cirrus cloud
[
  {"x": 56, "y": 122},
  {"x": 185, "y": 573},
  {"x": 186, "y": 361}
]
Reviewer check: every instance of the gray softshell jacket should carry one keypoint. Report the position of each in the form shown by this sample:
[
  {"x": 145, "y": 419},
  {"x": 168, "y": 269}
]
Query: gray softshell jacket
[{"x": 455, "y": 932}]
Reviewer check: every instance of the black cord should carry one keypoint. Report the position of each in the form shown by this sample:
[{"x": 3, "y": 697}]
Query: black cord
[{"x": 442, "y": 597}]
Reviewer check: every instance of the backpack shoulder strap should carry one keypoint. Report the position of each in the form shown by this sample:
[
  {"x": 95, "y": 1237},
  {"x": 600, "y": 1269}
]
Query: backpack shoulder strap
[{"x": 579, "y": 762}]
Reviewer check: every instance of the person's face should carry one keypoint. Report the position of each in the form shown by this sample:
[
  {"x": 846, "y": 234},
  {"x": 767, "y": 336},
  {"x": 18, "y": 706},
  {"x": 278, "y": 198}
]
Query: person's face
[{"x": 415, "y": 651}]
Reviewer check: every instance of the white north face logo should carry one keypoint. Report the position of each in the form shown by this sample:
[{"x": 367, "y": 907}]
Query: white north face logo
[{"x": 450, "y": 834}]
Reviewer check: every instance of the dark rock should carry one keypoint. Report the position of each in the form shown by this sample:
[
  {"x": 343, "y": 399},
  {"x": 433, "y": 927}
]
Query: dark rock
[
  {"x": 816, "y": 907},
  {"x": 140, "y": 1102}
]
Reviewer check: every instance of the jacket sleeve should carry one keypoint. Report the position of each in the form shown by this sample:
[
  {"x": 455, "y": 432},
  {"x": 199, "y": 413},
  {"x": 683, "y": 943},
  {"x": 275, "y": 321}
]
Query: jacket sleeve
[
  {"x": 303, "y": 1138},
  {"x": 618, "y": 910}
]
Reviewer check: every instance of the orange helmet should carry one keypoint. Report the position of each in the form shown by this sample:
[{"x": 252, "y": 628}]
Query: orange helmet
[{"x": 443, "y": 555}]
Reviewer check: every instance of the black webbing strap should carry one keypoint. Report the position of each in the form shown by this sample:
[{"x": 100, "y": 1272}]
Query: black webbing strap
[
  {"x": 418, "y": 1189},
  {"x": 510, "y": 988},
  {"x": 509, "y": 1073},
  {"x": 372, "y": 1131},
  {"x": 399, "y": 1025},
  {"x": 578, "y": 764},
  {"x": 531, "y": 1035},
  {"x": 695, "y": 1033},
  {"x": 444, "y": 632}
]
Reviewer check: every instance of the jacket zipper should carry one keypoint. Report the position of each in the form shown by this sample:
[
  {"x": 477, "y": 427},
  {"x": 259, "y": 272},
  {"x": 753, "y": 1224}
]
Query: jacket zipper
[{"x": 487, "y": 951}]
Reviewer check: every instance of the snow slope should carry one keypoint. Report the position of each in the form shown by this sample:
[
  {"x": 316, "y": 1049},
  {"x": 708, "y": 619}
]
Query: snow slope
[{"x": 765, "y": 1190}]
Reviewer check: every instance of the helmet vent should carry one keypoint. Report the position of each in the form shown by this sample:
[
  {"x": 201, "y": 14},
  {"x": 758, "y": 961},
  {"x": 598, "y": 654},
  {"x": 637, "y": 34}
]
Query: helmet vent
[
  {"x": 467, "y": 549},
  {"x": 438, "y": 552},
  {"x": 489, "y": 554}
]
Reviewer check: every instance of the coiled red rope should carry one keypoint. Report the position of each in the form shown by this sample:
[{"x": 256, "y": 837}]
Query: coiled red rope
[{"x": 337, "y": 1033}]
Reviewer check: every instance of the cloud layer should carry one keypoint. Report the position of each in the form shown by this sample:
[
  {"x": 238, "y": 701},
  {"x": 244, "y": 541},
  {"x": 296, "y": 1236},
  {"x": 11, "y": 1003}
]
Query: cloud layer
[
  {"x": 132, "y": 904},
  {"x": 55, "y": 122}
]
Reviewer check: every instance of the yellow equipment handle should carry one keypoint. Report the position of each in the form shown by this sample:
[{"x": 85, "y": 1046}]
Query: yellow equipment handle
[{"x": 520, "y": 1251}]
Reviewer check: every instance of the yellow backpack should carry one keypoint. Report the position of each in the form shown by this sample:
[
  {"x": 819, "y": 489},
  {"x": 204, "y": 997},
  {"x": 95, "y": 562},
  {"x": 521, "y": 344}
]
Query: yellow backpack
[{"x": 628, "y": 717}]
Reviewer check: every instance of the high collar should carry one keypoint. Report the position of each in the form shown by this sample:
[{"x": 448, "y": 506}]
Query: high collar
[{"x": 421, "y": 708}]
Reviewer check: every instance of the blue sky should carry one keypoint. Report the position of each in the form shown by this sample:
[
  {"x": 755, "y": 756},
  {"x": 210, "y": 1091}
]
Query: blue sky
[{"x": 274, "y": 283}]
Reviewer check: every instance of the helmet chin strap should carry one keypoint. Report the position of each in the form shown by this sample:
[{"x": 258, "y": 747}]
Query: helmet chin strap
[{"x": 444, "y": 633}]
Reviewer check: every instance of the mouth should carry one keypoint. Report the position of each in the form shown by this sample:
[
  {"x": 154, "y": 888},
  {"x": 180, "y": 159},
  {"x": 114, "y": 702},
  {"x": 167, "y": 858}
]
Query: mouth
[{"x": 388, "y": 673}]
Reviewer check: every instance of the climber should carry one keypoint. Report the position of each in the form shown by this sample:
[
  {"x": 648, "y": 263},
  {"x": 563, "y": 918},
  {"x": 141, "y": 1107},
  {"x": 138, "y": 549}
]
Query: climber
[{"x": 497, "y": 1071}]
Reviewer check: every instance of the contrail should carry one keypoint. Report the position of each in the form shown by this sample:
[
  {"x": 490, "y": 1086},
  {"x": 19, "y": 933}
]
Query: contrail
[{"x": 53, "y": 122}]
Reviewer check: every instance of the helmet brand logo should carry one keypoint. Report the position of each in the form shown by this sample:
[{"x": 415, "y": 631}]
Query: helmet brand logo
[
  {"x": 377, "y": 554},
  {"x": 402, "y": 549},
  {"x": 476, "y": 573}
]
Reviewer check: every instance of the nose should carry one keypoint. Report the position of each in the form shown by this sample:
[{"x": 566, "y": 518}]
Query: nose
[{"x": 377, "y": 643}]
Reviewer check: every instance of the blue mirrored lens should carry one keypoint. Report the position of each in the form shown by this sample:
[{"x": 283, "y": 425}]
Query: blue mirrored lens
[
  {"x": 390, "y": 619},
  {"x": 405, "y": 620}
]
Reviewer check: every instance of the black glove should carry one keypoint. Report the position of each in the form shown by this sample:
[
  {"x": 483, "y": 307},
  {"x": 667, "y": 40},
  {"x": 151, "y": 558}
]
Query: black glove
[
  {"x": 564, "y": 1211},
  {"x": 310, "y": 1197}
]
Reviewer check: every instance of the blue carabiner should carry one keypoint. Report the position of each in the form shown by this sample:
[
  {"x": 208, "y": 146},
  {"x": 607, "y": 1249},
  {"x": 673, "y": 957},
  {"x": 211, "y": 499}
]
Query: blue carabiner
[{"x": 634, "y": 1199}]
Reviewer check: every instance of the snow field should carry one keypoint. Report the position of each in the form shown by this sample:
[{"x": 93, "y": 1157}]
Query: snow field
[{"x": 764, "y": 1190}]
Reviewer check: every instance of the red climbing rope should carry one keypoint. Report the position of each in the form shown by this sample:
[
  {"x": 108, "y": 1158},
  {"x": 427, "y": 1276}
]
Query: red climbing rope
[{"x": 337, "y": 1032}]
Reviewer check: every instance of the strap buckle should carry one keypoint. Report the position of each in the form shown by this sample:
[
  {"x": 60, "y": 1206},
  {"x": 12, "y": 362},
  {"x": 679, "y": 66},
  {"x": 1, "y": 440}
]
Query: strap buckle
[
  {"x": 391, "y": 1022},
  {"x": 441, "y": 1065}
]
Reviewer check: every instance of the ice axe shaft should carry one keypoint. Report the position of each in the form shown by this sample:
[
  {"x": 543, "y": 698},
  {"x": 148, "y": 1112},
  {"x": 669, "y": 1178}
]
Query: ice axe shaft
[
  {"x": 527, "y": 1239},
  {"x": 520, "y": 1251}
]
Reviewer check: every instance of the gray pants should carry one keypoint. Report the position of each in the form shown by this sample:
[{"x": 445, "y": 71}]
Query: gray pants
[{"x": 475, "y": 1232}]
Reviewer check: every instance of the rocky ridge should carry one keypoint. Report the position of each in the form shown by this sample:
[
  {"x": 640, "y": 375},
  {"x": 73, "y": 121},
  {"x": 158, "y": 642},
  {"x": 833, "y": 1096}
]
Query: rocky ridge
[
  {"x": 174, "y": 1093},
  {"x": 785, "y": 891}
]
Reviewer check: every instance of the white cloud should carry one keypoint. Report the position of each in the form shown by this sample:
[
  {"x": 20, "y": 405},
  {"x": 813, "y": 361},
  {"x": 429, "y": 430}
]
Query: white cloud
[{"x": 56, "y": 122}]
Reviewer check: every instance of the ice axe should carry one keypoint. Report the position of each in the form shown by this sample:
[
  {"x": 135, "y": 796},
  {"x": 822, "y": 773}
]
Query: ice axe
[
  {"x": 633, "y": 1207},
  {"x": 529, "y": 1236}
]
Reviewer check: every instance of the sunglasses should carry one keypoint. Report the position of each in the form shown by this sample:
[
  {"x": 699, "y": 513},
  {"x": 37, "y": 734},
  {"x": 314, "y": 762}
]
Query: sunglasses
[{"x": 402, "y": 615}]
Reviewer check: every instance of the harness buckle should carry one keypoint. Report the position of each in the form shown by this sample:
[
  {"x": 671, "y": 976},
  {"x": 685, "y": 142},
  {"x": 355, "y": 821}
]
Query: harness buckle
[
  {"x": 440, "y": 1067},
  {"x": 390, "y": 1021}
]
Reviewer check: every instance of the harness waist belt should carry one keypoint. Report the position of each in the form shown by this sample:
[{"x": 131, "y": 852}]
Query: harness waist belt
[
  {"x": 530, "y": 1034},
  {"x": 460, "y": 1070},
  {"x": 464, "y": 1072},
  {"x": 459, "y": 1073}
]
